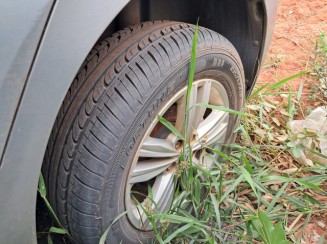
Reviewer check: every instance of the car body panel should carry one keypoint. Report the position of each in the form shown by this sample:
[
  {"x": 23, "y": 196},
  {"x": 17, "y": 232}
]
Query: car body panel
[
  {"x": 18, "y": 47},
  {"x": 55, "y": 66},
  {"x": 73, "y": 27},
  {"x": 271, "y": 8}
]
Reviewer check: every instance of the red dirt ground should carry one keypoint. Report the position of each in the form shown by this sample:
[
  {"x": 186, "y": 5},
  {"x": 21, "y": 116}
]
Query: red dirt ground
[{"x": 297, "y": 28}]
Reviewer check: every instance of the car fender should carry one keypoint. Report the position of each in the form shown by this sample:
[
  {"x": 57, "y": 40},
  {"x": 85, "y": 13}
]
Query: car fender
[{"x": 73, "y": 27}]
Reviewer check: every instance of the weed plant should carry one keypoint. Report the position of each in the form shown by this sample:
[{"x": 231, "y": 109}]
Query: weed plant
[
  {"x": 256, "y": 194},
  {"x": 319, "y": 90}
]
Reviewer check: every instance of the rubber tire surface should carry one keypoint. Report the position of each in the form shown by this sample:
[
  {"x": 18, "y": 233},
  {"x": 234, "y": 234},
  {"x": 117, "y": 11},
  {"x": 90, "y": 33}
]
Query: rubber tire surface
[{"x": 118, "y": 91}]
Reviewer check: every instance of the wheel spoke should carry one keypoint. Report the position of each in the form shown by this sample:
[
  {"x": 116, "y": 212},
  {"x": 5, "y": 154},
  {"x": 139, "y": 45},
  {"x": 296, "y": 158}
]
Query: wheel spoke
[
  {"x": 148, "y": 169},
  {"x": 204, "y": 92},
  {"x": 158, "y": 148},
  {"x": 200, "y": 94},
  {"x": 163, "y": 190},
  {"x": 212, "y": 129},
  {"x": 180, "y": 117},
  {"x": 191, "y": 125},
  {"x": 154, "y": 164},
  {"x": 203, "y": 95},
  {"x": 217, "y": 135}
]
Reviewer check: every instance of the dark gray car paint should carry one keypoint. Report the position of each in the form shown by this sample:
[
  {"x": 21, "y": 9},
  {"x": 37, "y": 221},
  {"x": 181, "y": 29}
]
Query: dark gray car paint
[
  {"x": 270, "y": 7},
  {"x": 18, "y": 43},
  {"x": 72, "y": 22}
]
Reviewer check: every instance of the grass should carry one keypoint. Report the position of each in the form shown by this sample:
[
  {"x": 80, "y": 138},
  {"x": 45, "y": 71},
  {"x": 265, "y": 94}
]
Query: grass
[
  {"x": 259, "y": 193},
  {"x": 53, "y": 229},
  {"x": 319, "y": 90}
]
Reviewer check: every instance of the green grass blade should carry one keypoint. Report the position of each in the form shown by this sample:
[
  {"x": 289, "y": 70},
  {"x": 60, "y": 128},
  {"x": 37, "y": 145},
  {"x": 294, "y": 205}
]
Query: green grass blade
[
  {"x": 259, "y": 228},
  {"x": 316, "y": 179},
  {"x": 309, "y": 185},
  {"x": 224, "y": 109},
  {"x": 317, "y": 153},
  {"x": 248, "y": 178},
  {"x": 43, "y": 193},
  {"x": 248, "y": 210},
  {"x": 105, "y": 234},
  {"x": 56, "y": 230},
  {"x": 282, "y": 82},
  {"x": 276, "y": 198},
  {"x": 176, "y": 232},
  {"x": 274, "y": 179},
  {"x": 52, "y": 211},
  {"x": 192, "y": 65},
  {"x": 50, "y": 239},
  {"x": 291, "y": 109},
  {"x": 232, "y": 187},
  {"x": 271, "y": 234},
  {"x": 170, "y": 127},
  {"x": 190, "y": 78},
  {"x": 247, "y": 164},
  {"x": 296, "y": 201},
  {"x": 277, "y": 235},
  {"x": 267, "y": 226},
  {"x": 323, "y": 41},
  {"x": 256, "y": 92},
  {"x": 175, "y": 218},
  {"x": 216, "y": 207},
  {"x": 219, "y": 153},
  {"x": 41, "y": 188}
]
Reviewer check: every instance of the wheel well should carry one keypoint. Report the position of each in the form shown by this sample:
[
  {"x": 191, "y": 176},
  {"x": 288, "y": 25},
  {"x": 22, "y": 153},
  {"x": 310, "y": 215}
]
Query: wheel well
[{"x": 241, "y": 22}]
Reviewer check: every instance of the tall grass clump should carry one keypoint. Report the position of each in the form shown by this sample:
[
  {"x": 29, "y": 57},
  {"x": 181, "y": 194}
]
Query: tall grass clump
[{"x": 258, "y": 193}]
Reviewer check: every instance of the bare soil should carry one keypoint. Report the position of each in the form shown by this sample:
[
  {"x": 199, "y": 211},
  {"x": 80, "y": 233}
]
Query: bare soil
[
  {"x": 298, "y": 26},
  {"x": 292, "y": 51}
]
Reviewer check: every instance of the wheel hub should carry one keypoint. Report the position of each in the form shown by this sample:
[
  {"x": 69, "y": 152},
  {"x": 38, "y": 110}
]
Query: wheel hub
[{"x": 150, "y": 182}]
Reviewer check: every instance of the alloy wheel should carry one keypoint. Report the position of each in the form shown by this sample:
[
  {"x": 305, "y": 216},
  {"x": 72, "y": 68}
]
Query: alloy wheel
[{"x": 150, "y": 182}]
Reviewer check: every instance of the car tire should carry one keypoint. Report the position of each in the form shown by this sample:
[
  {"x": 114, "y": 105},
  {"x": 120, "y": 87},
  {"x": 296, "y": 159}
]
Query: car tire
[{"x": 100, "y": 133}]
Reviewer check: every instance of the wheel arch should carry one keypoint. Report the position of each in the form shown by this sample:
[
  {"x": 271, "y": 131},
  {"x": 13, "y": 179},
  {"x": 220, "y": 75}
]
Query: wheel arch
[{"x": 241, "y": 22}]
